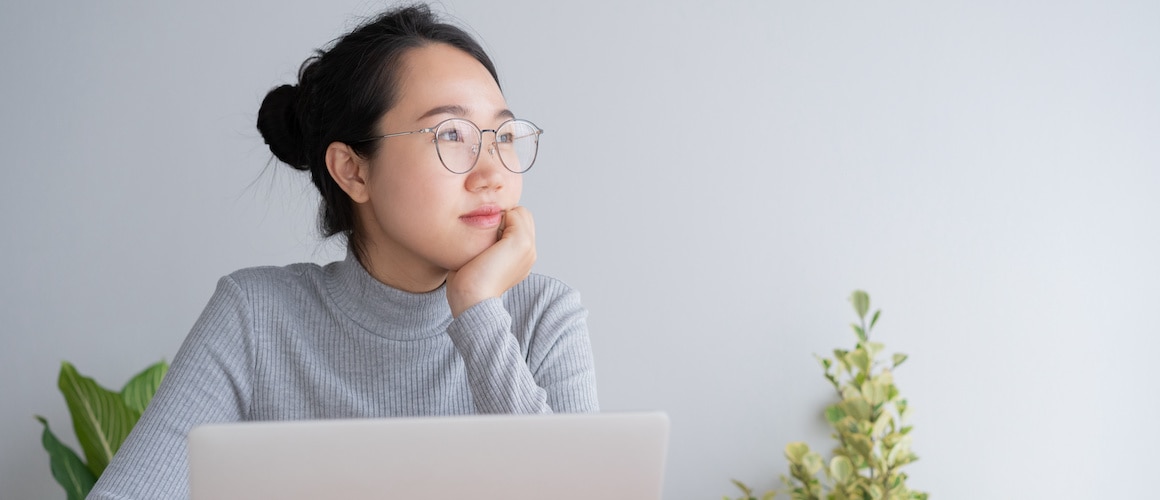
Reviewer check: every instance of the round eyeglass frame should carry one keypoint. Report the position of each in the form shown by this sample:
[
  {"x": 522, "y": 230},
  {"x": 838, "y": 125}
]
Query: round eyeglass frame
[{"x": 477, "y": 147}]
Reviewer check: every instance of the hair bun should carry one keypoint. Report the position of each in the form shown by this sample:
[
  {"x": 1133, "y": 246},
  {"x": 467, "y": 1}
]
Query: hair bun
[{"x": 279, "y": 125}]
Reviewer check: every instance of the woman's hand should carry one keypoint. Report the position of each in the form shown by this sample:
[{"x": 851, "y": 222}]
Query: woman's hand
[{"x": 498, "y": 268}]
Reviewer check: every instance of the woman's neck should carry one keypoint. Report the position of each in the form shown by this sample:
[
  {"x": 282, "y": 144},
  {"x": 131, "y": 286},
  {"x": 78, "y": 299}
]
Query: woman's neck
[{"x": 395, "y": 272}]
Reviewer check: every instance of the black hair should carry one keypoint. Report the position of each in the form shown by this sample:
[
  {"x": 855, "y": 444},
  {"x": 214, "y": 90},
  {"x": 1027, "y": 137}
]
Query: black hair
[{"x": 341, "y": 94}]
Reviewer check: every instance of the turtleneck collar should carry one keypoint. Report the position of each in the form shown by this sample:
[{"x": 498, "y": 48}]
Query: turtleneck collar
[{"x": 382, "y": 309}]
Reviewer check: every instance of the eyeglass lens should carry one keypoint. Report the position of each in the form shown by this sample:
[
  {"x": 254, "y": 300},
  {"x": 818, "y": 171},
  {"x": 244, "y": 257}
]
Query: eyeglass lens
[{"x": 459, "y": 143}]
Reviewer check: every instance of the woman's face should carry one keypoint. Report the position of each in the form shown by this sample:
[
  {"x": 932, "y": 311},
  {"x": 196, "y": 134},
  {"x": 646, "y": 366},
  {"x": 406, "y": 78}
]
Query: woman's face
[{"x": 421, "y": 215}]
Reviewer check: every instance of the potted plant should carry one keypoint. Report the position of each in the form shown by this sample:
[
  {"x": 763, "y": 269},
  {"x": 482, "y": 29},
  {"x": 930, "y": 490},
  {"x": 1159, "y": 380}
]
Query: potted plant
[
  {"x": 869, "y": 423},
  {"x": 102, "y": 419}
]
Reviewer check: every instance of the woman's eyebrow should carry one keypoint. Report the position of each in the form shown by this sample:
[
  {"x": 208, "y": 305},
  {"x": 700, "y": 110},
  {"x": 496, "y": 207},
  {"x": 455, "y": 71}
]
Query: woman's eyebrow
[
  {"x": 460, "y": 111},
  {"x": 452, "y": 109}
]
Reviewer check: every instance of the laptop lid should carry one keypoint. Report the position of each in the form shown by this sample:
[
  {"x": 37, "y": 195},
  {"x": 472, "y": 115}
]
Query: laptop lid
[{"x": 513, "y": 457}]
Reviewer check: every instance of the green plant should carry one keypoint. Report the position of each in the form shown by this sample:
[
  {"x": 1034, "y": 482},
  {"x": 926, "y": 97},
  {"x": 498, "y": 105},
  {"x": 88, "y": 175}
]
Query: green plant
[
  {"x": 868, "y": 422},
  {"x": 102, "y": 420}
]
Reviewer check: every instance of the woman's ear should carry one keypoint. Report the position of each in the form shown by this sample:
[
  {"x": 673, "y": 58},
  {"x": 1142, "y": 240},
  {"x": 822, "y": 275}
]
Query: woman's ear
[{"x": 349, "y": 170}]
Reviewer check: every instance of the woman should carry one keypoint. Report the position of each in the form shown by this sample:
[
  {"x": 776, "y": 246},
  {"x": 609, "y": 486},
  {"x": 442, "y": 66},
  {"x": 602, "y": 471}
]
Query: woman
[{"x": 406, "y": 134}]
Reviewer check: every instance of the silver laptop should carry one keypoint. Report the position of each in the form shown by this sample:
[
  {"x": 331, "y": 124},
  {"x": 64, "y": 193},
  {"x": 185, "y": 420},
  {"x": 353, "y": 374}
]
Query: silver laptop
[{"x": 606, "y": 456}]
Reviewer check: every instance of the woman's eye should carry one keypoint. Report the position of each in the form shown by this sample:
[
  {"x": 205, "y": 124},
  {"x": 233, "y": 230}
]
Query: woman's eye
[
  {"x": 450, "y": 136},
  {"x": 505, "y": 137}
]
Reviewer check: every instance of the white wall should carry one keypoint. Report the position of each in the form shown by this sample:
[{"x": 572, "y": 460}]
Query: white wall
[{"x": 714, "y": 179}]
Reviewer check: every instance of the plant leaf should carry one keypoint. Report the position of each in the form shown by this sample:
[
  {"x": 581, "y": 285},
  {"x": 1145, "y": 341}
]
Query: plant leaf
[
  {"x": 841, "y": 469},
  {"x": 861, "y": 301},
  {"x": 100, "y": 417},
  {"x": 834, "y": 413},
  {"x": 858, "y": 331},
  {"x": 874, "y": 319},
  {"x": 899, "y": 358},
  {"x": 744, "y": 489},
  {"x": 795, "y": 451},
  {"x": 861, "y": 359},
  {"x": 140, "y": 389},
  {"x": 857, "y": 407},
  {"x": 67, "y": 467},
  {"x": 812, "y": 462},
  {"x": 862, "y": 445}
]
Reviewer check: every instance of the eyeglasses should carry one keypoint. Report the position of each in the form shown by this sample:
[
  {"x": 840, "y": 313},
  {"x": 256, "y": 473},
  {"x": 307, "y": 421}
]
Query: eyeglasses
[{"x": 458, "y": 142}]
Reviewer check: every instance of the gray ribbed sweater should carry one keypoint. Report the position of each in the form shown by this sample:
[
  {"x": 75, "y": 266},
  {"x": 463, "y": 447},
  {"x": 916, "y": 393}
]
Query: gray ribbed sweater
[{"x": 310, "y": 342}]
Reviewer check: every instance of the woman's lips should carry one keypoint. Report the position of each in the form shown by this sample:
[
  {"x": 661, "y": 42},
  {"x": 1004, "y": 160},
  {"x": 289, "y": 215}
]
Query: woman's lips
[{"x": 485, "y": 217}]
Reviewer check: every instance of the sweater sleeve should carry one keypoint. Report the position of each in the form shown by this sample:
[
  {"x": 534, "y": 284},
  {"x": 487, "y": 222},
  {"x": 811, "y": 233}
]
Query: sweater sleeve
[
  {"x": 557, "y": 374},
  {"x": 208, "y": 381}
]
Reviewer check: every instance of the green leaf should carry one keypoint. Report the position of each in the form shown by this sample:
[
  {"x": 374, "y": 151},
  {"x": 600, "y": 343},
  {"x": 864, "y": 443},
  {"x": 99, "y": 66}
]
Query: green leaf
[
  {"x": 861, "y": 301},
  {"x": 744, "y": 489},
  {"x": 833, "y": 381},
  {"x": 874, "y": 320},
  {"x": 841, "y": 469},
  {"x": 898, "y": 359},
  {"x": 858, "y": 331},
  {"x": 812, "y": 462},
  {"x": 769, "y": 495},
  {"x": 875, "y": 393},
  {"x": 856, "y": 407},
  {"x": 67, "y": 467},
  {"x": 862, "y": 445},
  {"x": 795, "y": 451},
  {"x": 834, "y": 413},
  {"x": 140, "y": 389},
  {"x": 843, "y": 363},
  {"x": 859, "y": 358},
  {"x": 100, "y": 417}
]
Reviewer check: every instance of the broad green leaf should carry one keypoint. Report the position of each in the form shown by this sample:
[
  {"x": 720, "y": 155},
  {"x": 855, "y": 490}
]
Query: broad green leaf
[
  {"x": 100, "y": 417},
  {"x": 769, "y": 495},
  {"x": 140, "y": 389},
  {"x": 795, "y": 451},
  {"x": 841, "y": 469},
  {"x": 873, "y": 348},
  {"x": 860, "y": 359},
  {"x": 874, "y": 320},
  {"x": 861, "y": 301},
  {"x": 856, "y": 407},
  {"x": 834, "y": 413},
  {"x": 898, "y": 359},
  {"x": 67, "y": 467}
]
